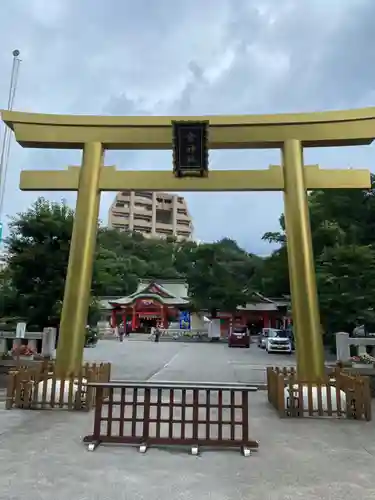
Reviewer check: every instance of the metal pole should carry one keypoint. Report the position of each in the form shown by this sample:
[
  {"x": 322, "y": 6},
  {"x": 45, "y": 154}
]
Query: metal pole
[{"x": 7, "y": 137}]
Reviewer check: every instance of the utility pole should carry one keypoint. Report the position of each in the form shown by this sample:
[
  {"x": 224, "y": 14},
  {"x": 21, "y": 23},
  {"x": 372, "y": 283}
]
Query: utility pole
[{"x": 7, "y": 135}]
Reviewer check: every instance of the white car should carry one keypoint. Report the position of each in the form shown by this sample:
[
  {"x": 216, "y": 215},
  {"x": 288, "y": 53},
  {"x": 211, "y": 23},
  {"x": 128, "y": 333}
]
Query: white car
[{"x": 278, "y": 341}]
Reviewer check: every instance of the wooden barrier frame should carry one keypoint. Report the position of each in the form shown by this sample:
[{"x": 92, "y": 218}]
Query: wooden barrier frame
[
  {"x": 141, "y": 409},
  {"x": 356, "y": 389},
  {"x": 39, "y": 387}
]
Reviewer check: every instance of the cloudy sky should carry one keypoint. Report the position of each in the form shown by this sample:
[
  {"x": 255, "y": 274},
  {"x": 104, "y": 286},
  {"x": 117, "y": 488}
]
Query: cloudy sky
[{"x": 127, "y": 57}]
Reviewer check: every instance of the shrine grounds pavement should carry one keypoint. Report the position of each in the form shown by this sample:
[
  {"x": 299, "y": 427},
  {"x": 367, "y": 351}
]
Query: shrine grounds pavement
[{"x": 42, "y": 456}]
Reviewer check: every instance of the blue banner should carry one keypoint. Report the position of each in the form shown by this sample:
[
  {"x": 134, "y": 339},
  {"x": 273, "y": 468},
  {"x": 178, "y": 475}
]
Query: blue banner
[{"x": 185, "y": 320}]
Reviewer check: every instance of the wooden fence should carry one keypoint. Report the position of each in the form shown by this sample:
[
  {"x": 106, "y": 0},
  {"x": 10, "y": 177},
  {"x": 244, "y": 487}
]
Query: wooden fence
[
  {"x": 148, "y": 413},
  {"x": 39, "y": 387},
  {"x": 338, "y": 395}
]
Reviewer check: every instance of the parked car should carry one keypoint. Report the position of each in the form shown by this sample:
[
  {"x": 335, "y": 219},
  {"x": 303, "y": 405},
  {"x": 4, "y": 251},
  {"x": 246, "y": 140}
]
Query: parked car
[
  {"x": 262, "y": 339},
  {"x": 278, "y": 341},
  {"x": 239, "y": 336}
]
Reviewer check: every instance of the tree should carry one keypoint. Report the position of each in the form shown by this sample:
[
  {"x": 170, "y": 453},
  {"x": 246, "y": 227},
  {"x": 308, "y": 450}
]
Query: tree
[
  {"x": 342, "y": 226},
  {"x": 38, "y": 249},
  {"x": 219, "y": 277},
  {"x": 272, "y": 275},
  {"x": 9, "y": 298},
  {"x": 346, "y": 283}
]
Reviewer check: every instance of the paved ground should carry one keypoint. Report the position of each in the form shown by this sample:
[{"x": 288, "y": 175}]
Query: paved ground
[
  {"x": 42, "y": 456},
  {"x": 187, "y": 361}
]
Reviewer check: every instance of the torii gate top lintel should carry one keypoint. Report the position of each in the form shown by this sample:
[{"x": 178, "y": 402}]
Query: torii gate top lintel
[{"x": 317, "y": 129}]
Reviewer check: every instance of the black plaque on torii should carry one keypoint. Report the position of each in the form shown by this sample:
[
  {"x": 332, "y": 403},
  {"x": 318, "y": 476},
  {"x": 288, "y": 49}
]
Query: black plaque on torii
[{"x": 190, "y": 148}]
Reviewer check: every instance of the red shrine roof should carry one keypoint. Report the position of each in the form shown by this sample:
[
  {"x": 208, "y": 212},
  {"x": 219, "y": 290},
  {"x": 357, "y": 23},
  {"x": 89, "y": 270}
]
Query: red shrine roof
[{"x": 151, "y": 290}]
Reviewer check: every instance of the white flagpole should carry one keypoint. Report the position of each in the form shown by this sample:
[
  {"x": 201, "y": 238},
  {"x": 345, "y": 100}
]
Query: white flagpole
[{"x": 7, "y": 136}]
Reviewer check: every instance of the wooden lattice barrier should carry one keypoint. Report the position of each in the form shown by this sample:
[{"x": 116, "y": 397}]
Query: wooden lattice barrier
[
  {"x": 40, "y": 387},
  {"x": 338, "y": 394},
  {"x": 157, "y": 413}
]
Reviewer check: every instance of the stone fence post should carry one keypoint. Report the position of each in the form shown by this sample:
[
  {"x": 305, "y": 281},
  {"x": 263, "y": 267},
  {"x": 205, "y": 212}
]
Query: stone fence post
[
  {"x": 48, "y": 341},
  {"x": 342, "y": 347}
]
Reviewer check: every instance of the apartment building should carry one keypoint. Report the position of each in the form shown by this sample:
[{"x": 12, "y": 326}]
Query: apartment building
[{"x": 155, "y": 215}]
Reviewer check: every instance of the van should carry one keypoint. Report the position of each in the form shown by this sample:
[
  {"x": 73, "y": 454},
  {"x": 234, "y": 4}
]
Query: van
[
  {"x": 278, "y": 341},
  {"x": 239, "y": 336}
]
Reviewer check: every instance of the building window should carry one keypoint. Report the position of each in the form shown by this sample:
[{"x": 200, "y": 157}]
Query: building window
[
  {"x": 182, "y": 211},
  {"x": 166, "y": 201},
  {"x": 180, "y": 200},
  {"x": 164, "y": 217}
]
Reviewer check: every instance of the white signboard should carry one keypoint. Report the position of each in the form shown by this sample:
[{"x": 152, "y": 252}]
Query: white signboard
[
  {"x": 214, "y": 329},
  {"x": 20, "y": 330}
]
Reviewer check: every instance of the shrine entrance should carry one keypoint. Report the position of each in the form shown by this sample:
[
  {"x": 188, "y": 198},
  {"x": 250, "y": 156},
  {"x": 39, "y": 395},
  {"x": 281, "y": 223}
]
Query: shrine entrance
[
  {"x": 145, "y": 324},
  {"x": 289, "y": 133}
]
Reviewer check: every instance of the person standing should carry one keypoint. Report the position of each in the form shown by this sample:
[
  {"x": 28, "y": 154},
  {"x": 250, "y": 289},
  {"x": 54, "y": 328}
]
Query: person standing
[
  {"x": 157, "y": 334},
  {"x": 121, "y": 333},
  {"x": 127, "y": 329}
]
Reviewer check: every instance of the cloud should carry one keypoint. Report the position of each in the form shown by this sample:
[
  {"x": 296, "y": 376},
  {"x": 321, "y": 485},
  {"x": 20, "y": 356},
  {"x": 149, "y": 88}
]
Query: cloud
[{"x": 168, "y": 57}]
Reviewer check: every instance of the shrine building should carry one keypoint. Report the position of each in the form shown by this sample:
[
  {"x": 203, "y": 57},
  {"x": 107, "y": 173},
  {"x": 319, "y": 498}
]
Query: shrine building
[
  {"x": 161, "y": 302},
  {"x": 155, "y": 302}
]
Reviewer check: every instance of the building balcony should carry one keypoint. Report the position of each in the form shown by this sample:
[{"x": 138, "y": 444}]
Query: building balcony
[
  {"x": 183, "y": 216},
  {"x": 120, "y": 227},
  {"x": 142, "y": 197},
  {"x": 184, "y": 222},
  {"x": 122, "y": 212},
  {"x": 142, "y": 207},
  {"x": 163, "y": 225},
  {"x": 142, "y": 222}
]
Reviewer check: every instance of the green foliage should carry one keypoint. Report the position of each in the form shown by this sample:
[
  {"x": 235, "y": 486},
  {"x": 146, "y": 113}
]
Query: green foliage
[
  {"x": 219, "y": 274},
  {"x": 346, "y": 283},
  {"x": 343, "y": 235},
  {"x": 272, "y": 276},
  {"x": 38, "y": 248}
]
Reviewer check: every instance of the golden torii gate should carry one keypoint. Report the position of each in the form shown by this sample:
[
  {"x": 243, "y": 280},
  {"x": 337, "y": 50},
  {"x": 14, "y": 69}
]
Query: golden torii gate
[{"x": 287, "y": 132}]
